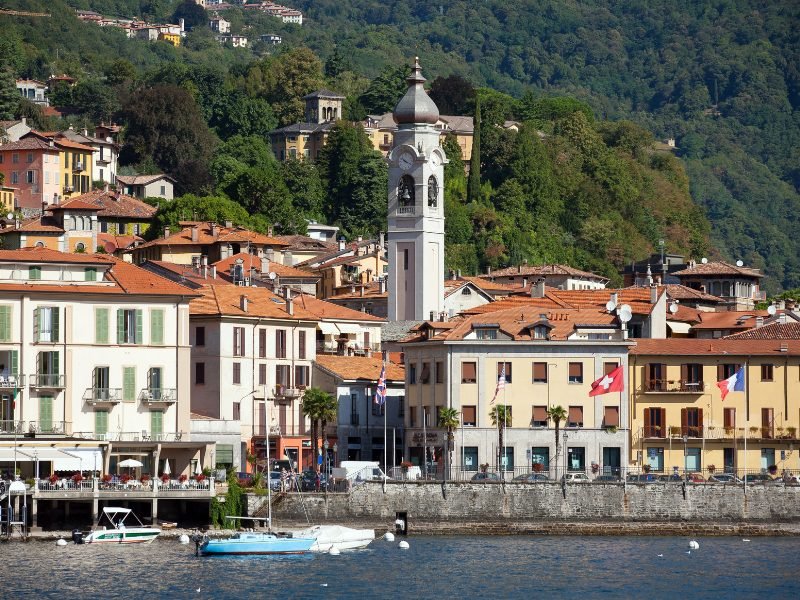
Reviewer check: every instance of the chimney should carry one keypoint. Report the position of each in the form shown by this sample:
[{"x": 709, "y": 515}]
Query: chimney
[
  {"x": 653, "y": 294},
  {"x": 182, "y": 23},
  {"x": 24, "y": 120},
  {"x": 524, "y": 282},
  {"x": 432, "y": 315},
  {"x": 289, "y": 302},
  {"x": 214, "y": 230},
  {"x": 287, "y": 258},
  {"x": 615, "y": 298},
  {"x": 341, "y": 244},
  {"x": 85, "y": 132},
  {"x": 353, "y": 289},
  {"x": 759, "y": 321},
  {"x": 270, "y": 231},
  {"x": 382, "y": 239},
  {"x": 195, "y": 234},
  {"x": 782, "y": 319},
  {"x": 264, "y": 266},
  {"x": 362, "y": 290},
  {"x": 459, "y": 273},
  {"x": 105, "y": 188},
  {"x": 243, "y": 303},
  {"x": 488, "y": 270},
  {"x": 537, "y": 289},
  {"x": 519, "y": 268},
  {"x": 382, "y": 286},
  {"x": 228, "y": 224},
  {"x": 166, "y": 232},
  {"x": 452, "y": 275},
  {"x": 213, "y": 272},
  {"x": 360, "y": 239}
]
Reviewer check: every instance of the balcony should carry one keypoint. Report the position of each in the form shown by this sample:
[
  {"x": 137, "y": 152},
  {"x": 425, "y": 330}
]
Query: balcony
[
  {"x": 47, "y": 380},
  {"x": 669, "y": 386},
  {"x": 158, "y": 396},
  {"x": 77, "y": 166},
  {"x": 12, "y": 382},
  {"x": 131, "y": 436},
  {"x": 406, "y": 210},
  {"x": 286, "y": 393},
  {"x": 68, "y": 189},
  {"x": 34, "y": 427},
  {"x": 95, "y": 396},
  {"x": 717, "y": 433}
]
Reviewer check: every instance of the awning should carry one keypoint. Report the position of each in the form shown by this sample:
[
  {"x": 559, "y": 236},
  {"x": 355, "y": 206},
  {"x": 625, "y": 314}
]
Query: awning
[
  {"x": 349, "y": 328},
  {"x": 679, "y": 327},
  {"x": 74, "y": 459},
  {"x": 327, "y": 328}
]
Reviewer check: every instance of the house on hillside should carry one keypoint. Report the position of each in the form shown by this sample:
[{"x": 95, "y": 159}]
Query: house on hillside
[{"x": 147, "y": 186}]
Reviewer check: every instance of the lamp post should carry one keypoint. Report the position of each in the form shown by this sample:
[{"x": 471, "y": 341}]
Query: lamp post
[
  {"x": 685, "y": 457},
  {"x": 565, "y": 456},
  {"x": 327, "y": 458}
]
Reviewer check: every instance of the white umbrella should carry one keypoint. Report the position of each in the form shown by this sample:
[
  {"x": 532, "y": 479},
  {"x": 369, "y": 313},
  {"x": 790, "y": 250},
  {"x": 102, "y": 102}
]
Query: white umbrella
[
  {"x": 198, "y": 470},
  {"x": 131, "y": 462},
  {"x": 166, "y": 467}
]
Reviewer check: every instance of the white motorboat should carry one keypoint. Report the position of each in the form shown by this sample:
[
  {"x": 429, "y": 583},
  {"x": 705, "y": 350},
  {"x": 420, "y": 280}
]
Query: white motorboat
[
  {"x": 336, "y": 536},
  {"x": 119, "y": 532}
]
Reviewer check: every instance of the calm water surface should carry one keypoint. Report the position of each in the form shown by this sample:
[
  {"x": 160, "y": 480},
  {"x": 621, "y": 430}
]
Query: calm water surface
[{"x": 434, "y": 567}]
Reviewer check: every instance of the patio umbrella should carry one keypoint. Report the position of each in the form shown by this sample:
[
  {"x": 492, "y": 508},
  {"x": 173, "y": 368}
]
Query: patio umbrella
[
  {"x": 166, "y": 467},
  {"x": 198, "y": 470},
  {"x": 131, "y": 462}
]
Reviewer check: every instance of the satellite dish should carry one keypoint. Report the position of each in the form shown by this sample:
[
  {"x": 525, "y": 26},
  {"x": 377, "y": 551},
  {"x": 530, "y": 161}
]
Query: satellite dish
[
  {"x": 704, "y": 260},
  {"x": 272, "y": 275},
  {"x": 673, "y": 308},
  {"x": 10, "y": 216},
  {"x": 625, "y": 313},
  {"x": 611, "y": 305},
  {"x": 772, "y": 310},
  {"x": 739, "y": 263}
]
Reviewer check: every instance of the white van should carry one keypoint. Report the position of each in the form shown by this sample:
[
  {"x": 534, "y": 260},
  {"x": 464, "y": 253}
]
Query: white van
[
  {"x": 413, "y": 473},
  {"x": 359, "y": 470}
]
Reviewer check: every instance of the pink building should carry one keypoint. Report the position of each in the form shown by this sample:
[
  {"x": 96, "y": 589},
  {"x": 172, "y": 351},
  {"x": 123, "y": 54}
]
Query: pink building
[{"x": 32, "y": 167}]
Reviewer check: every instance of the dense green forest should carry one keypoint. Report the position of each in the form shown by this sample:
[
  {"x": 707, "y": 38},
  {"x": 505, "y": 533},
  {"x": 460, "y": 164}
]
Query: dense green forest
[{"x": 721, "y": 77}]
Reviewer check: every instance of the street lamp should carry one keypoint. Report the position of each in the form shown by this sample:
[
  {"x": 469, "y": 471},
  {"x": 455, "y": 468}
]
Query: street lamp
[
  {"x": 565, "y": 455},
  {"x": 685, "y": 457},
  {"x": 327, "y": 458}
]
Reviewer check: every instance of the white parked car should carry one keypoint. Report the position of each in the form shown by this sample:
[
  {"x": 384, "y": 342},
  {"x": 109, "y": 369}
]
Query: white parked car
[{"x": 575, "y": 478}]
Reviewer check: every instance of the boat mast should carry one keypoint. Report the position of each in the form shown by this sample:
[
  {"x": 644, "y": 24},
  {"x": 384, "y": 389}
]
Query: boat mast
[{"x": 269, "y": 488}]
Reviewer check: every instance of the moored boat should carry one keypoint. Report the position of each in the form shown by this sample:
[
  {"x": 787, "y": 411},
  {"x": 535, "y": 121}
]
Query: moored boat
[
  {"x": 255, "y": 543},
  {"x": 121, "y": 530},
  {"x": 337, "y": 536}
]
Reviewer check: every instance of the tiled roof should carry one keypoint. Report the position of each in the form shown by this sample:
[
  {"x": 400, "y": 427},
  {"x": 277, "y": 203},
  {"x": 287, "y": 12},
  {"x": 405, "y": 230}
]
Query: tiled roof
[
  {"x": 685, "y": 314},
  {"x": 392, "y": 331},
  {"x": 637, "y": 297},
  {"x": 44, "y": 224},
  {"x": 732, "y": 319},
  {"x": 490, "y": 286},
  {"x": 371, "y": 290},
  {"x": 204, "y": 237},
  {"x": 731, "y": 348},
  {"x": 46, "y": 255},
  {"x": 182, "y": 273},
  {"x": 548, "y": 302},
  {"x": 360, "y": 367},
  {"x": 458, "y": 123},
  {"x": 28, "y": 143},
  {"x": 250, "y": 261},
  {"x": 682, "y": 292},
  {"x": 322, "y": 94},
  {"x": 305, "y": 243},
  {"x": 75, "y": 204},
  {"x": 141, "y": 179},
  {"x": 303, "y": 128},
  {"x": 112, "y": 242},
  {"x": 111, "y": 204},
  {"x": 135, "y": 280},
  {"x": 773, "y": 331},
  {"x": 330, "y": 311},
  {"x": 718, "y": 268},
  {"x": 542, "y": 271}
]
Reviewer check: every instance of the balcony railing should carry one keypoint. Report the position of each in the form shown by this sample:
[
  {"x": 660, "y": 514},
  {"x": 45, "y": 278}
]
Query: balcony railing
[
  {"x": 132, "y": 436},
  {"x": 713, "y": 432},
  {"x": 102, "y": 395},
  {"x": 158, "y": 395},
  {"x": 405, "y": 210},
  {"x": 27, "y": 427},
  {"x": 286, "y": 393},
  {"x": 77, "y": 166},
  {"x": 12, "y": 381},
  {"x": 670, "y": 386},
  {"x": 47, "y": 380}
]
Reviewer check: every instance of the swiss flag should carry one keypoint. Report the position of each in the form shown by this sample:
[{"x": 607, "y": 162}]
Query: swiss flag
[{"x": 613, "y": 382}]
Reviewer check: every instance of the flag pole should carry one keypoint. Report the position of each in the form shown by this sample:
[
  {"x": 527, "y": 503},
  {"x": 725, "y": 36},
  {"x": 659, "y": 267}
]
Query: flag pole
[{"x": 385, "y": 451}]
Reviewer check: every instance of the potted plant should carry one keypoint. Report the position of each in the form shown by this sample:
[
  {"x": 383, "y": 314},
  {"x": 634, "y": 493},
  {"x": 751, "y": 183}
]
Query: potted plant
[
  {"x": 675, "y": 431},
  {"x": 165, "y": 478},
  {"x": 711, "y": 469},
  {"x": 538, "y": 467},
  {"x": 779, "y": 432},
  {"x": 773, "y": 469},
  {"x": 106, "y": 479},
  {"x": 484, "y": 467},
  {"x": 145, "y": 480},
  {"x": 183, "y": 478},
  {"x": 611, "y": 429},
  {"x": 53, "y": 479},
  {"x": 77, "y": 478},
  {"x": 754, "y": 429},
  {"x": 792, "y": 432},
  {"x": 199, "y": 478},
  {"x": 404, "y": 467},
  {"x": 646, "y": 468},
  {"x": 125, "y": 478},
  {"x": 729, "y": 431}
]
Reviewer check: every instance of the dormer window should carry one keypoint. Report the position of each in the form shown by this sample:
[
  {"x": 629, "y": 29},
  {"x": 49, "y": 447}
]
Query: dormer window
[
  {"x": 466, "y": 292},
  {"x": 486, "y": 334},
  {"x": 541, "y": 332}
]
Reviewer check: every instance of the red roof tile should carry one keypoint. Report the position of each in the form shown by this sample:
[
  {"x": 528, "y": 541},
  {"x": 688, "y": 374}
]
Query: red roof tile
[
  {"x": 718, "y": 268},
  {"x": 722, "y": 347},
  {"x": 111, "y": 204},
  {"x": 360, "y": 367},
  {"x": 249, "y": 261},
  {"x": 773, "y": 331}
]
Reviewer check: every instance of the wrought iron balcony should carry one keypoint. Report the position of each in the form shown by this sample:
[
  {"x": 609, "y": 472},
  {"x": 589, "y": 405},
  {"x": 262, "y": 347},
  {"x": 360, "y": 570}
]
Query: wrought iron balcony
[
  {"x": 282, "y": 392},
  {"x": 158, "y": 395},
  {"x": 47, "y": 380},
  {"x": 12, "y": 381},
  {"x": 102, "y": 395},
  {"x": 670, "y": 386}
]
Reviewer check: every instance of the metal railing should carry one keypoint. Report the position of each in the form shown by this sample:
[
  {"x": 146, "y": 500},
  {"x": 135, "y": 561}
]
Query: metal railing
[
  {"x": 406, "y": 210},
  {"x": 673, "y": 386},
  {"x": 175, "y": 485},
  {"x": 287, "y": 393},
  {"x": 95, "y": 395},
  {"x": 47, "y": 380},
  {"x": 25, "y": 427},
  {"x": 64, "y": 484},
  {"x": 12, "y": 381},
  {"x": 153, "y": 395},
  {"x": 132, "y": 436},
  {"x": 714, "y": 432}
]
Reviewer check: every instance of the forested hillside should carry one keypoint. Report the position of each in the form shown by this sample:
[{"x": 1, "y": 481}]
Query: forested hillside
[{"x": 720, "y": 77}]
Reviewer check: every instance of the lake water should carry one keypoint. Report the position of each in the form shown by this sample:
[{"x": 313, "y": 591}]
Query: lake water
[{"x": 434, "y": 567}]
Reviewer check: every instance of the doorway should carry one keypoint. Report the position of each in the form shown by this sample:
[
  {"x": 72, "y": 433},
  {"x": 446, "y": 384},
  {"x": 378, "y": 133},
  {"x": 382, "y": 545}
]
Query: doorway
[{"x": 612, "y": 461}]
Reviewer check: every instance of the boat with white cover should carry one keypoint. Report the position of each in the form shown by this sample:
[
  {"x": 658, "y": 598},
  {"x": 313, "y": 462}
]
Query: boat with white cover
[
  {"x": 121, "y": 530},
  {"x": 255, "y": 543},
  {"x": 336, "y": 536}
]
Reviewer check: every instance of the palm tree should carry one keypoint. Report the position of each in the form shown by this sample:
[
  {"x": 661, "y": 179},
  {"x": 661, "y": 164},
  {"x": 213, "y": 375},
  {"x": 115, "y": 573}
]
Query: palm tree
[
  {"x": 556, "y": 414},
  {"x": 317, "y": 407},
  {"x": 448, "y": 419},
  {"x": 501, "y": 418},
  {"x": 329, "y": 412}
]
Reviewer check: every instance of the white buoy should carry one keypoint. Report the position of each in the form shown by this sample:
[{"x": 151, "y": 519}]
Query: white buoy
[
  {"x": 61, "y": 542},
  {"x": 184, "y": 539},
  {"x": 403, "y": 545},
  {"x": 694, "y": 545},
  {"x": 334, "y": 551},
  {"x": 388, "y": 536}
]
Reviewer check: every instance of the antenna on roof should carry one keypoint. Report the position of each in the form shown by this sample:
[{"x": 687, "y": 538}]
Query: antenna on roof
[
  {"x": 673, "y": 308},
  {"x": 704, "y": 260},
  {"x": 739, "y": 263},
  {"x": 772, "y": 310},
  {"x": 625, "y": 313}
]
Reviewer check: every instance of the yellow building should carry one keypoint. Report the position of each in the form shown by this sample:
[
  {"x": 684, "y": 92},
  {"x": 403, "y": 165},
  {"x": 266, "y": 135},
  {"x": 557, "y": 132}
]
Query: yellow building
[
  {"x": 172, "y": 38},
  {"x": 680, "y": 421},
  {"x": 381, "y": 128},
  {"x": 305, "y": 140},
  {"x": 355, "y": 264},
  {"x": 7, "y": 199}
]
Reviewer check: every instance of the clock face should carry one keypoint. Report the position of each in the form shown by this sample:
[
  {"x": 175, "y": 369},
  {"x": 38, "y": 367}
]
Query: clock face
[
  {"x": 436, "y": 159},
  {"x": 405, "y": 161}
]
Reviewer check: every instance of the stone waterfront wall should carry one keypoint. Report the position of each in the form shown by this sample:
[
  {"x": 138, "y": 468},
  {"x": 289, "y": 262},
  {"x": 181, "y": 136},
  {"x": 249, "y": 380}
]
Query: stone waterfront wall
[{"x": 533, "y": 506}]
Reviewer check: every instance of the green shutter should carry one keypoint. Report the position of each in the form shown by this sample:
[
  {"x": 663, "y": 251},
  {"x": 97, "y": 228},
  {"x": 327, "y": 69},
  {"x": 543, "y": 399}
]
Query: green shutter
[
  {"x": 5, "y": 323},
  {"x": 36, "y": 324},
  {"x": 156, "y": 423},
  {"x": 56, "y": 314},
  {"x": 120, "y": 325},
  {"x": 139, "y": 338},
  {"x": 45, "y": 413},
  {"x": 101, "y": 325},
  {"x": 34, "y": 273},
  {"x": 101, "y": 422},
  {"x": 157, "y": 327},
  {"x": 90, "y": 274},
  {"x": 56, "y": 366},
  {"x": 224, "y": 455},
  {"x": 14, "y": 366},
  {"x": 129, "y": 384}
]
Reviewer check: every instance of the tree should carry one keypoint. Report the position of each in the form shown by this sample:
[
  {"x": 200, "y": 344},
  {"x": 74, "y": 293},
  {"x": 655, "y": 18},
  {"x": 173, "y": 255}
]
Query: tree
[
  {"x": 556, "y": 414},
  {"x": 196, "y": 208},
  {"x": 235, "y": 113},
  {"x": 192, "y": 14},
  {"x": 474, "y": 181},
  {"x": 449, "y": 420},
  {"x": 320, "y": 407},
  {"x": 120, "y": 71},
  {"x": 9, "y": 97},
  {"x": 453, "y": 95},
  {"x": 261, "y": 190},
  {"x": 500, "y": 416},
  {"x": 305, "y": 186},
  {"x": 284, "y": 79},
  {"x": 385, "y": 91}
]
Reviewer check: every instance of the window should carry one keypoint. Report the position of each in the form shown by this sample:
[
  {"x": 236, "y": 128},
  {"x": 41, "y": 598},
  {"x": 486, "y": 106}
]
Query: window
[
  {"x": 129, "y": 326},
  {"x": 301, "y": 344},
  {"x": 237, "y": 373},
  {"x": 469, "y": 461},
  {"x": 199, "y": 336},
  {"x": 156, "y": 425},
  {"x": 654, "y": 422},
  {"x": 353, "y": 409},
  {"x": 692, "y": 376},
  {"x": 468, "y": 416},
  {"x": 575, "y": 416},
  {"x": 283, "y": 375},
  {"x": 767, "y": 422},
  {"x": 656, "y": 375},
  {"x": 15, "y": 158},
  {"x": 609, "y": 367},
  {"x": 726, "y": 370},
  {"x": 14, "y": 177},
  {"x": 262, "y": 343},
  {"x": 576, "y": 459},
  {"x": 238, "y": 341},
  {"x": 405, "y": 191},
  {"x": 425, "y": 376},
  {"x": 199, "y": 373},
  {"x": 439, "y": 372},
  {"x": 466, "y": 291},
  {"x": 507, "y": 458},
  {"x": 692, "y": 422},
  {"x": 163, "y": 190},
  {"x": 46, "y": 324},
  {"x": 575, "y": 372},
  {"x": 129, "y": 384},
  {"x": 401, "y": 406},
  {"x": 500, "y": 369},
  {"x": 692, "y": 459},
  {"x": 468, "y": 372},
  {"x": 539, "y": 417},
  {"x": 301, "y": 376},
  {"x": 101, "y": 379},
  {"x": 539, "y": 372},
  {"x": 156, "y": 327},
  {"x": 45, "y": 413},
  {"x": 412, "y": 416},
  {"x": 412, "y": 373},
  {"x": 90, "y": 274},
  {"x": 155, "y": 383},
  {"x": 237, "y": 411},
  {"x": 766, "y": 372},
  {"x": 35, "y": 273},
  {"x": 5, "y": 323},
  {"x": 540, "y": 455},
  {"x": 262, "y": 374},
  {"x": 729, "y": 419},
  {"x": 433, "y": 192},
  {"x": 486, "y": 334},
  {"x": 224, "y": 457},
  {"x": 30, "y": 176},
  {"x": 611, "y": 416},
  {"x": 29, "y": 157},
  {"x": 280, "y": 343}
]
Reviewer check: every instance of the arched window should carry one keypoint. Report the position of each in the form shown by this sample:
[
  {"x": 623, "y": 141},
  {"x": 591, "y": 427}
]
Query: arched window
[
  {"x": 80, "y": 247},
  {"x": 433, "y": 192},
  {"x": 405, "y": 191},
  {"x": 466, "y": 292},
  {"x": 73, "y": 223}
]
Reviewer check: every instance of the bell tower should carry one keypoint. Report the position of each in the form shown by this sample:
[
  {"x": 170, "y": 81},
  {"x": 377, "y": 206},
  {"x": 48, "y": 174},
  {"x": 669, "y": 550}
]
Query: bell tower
[{"x": 416, "y": 207}]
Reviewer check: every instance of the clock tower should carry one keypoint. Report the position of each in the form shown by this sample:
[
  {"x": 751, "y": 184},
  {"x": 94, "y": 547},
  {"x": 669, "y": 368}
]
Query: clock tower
[{"x": 416, "y": 207}]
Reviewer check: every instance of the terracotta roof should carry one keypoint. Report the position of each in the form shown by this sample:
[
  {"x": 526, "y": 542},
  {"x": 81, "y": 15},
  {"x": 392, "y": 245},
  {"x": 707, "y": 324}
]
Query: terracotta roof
[
  {"x": 718, "y": 268},
  {"x": 773, "y": 331},
  {"x": 111, "y": 204},
  {"x": 183, "y": 273},
  {"x": 204, "y": 237},
  {"x": 249, "y": 261},
  {"x": 731, "y": 348},
  {"x": 28, "y": 143},
  {"x": 637, "y": 297},
  {"x": 74, "y": 204},
  {"x": 490, "y": 286},
  {"x": 44, "y": 224},
  {"x": 732, "y": 319},
  {"x": 112, "y": 243},
  {"x": 323, "y": 93},
  {"x": 360, "y": 367},
  {"x": 371, "y": 290},
  {"x": 141, "y": 179},
  {"x": 548, "y": 302},
  {"x": 542, "y": 270},
  {"x": 305, "y": 243},
  {"x": 685, "y": 314},
  {"x": 46, "y": 255},
  {"x": 677, "y": 291},
  {"x": 135, "y": 280}
]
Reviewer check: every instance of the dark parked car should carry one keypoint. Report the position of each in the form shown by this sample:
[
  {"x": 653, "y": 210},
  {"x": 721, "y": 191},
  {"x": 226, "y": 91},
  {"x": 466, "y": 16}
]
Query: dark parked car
[
  {"x": 308, "y": 481},
  {"x": 485, "y": 476},
  {"x": 695, "y": 478},
  {"x": 758, "y": 478},
  {"x": 670, "y": 478},
  {"x": 532, "y": 477},
  {"x": 608, "y": 478},
  {"x": 643, "y": 478},
  {"x": 723, "y": 478}
]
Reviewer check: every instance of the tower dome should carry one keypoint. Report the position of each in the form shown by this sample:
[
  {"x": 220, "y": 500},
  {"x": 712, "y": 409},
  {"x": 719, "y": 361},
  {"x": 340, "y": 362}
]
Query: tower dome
[{"x": 416, "y": 107}]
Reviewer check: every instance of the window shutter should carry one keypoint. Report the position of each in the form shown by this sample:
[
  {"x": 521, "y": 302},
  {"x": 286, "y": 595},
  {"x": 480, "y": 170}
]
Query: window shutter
[
  {"x": 720, "y": 372},
  {"x": 540, "y": 372},
  {"x": 101, "y": 422},
  {"x": 663, "y": 415},
  {"x": 156, "y": 423},
  {"x": 5, "y": 323},
  {"x": 139, "y": 339},
  {"x": 468, "y": 370},
  {"x": 684, "y": 373},
  {"x": 36, "y": 323},
  {"x": 45, "y": 413},
  {"x": 120, "y": 326},
  {"x": 301, "y": 343},
  {"x": 575, "y": 369},
  {"x": 575, "y": 414},
  {"x": 647, "y": 422},
  {"x": 730, "y": 417},
  {"x": 611, "y": 417},
  {"x": 157, "y": 327},
  {"x": 101, "y": 325},
  {"x": 14, "y": 366},
  {"x": 55, "y": 362},
  {"x": 56, "y": 329},
  {"x": 700, "y": 420},
  {"x": 129, "y": 384},
  {"x": 540, "y": 413},
  {"x": 684, "y": 421}
]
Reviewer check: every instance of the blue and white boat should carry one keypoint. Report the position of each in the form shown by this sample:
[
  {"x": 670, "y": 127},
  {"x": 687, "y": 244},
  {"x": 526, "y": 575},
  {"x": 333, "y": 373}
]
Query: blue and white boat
[{"x": 256, "y": 543}]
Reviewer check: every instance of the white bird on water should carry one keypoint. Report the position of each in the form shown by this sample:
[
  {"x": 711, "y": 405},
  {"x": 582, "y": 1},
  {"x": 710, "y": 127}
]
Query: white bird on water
[
  {"x": 688, "y": 552},
  {"x": 660, "y": 556},
  {"x": 197, "y": 590},
  {"x": 745, "y": 540},
  {"x": 323, "y": 585}
]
